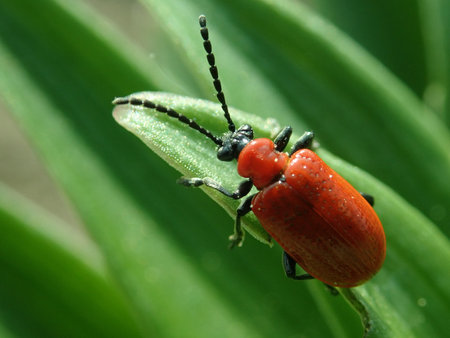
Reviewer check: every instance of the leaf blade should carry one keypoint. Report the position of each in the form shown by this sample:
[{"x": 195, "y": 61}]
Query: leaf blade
[
  {"x": 376, "y": 300},
  {"x": 34, "y": 287},
  {"x": 137, "y": 230}
]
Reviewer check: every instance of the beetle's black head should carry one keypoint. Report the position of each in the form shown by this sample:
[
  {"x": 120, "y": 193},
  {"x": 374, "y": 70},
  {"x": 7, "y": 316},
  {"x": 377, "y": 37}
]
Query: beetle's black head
[{"x": 234, "y": 142}]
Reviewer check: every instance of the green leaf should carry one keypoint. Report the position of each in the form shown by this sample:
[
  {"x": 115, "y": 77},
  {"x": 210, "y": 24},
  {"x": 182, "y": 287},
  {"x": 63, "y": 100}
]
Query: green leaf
[
  {"x": 50, "y": 273},
  {"x": 436, "y": 32},
  {"x": 165, "y": 246},
  {"x": 390, "y": 30},
  {"x": 306, "y": 73},
  {"x": 399, "y": 280},
  {"x": 186, "y": 150}
]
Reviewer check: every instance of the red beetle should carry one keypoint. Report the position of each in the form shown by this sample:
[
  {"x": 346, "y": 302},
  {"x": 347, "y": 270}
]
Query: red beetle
[{"x": 321, "y": 221}]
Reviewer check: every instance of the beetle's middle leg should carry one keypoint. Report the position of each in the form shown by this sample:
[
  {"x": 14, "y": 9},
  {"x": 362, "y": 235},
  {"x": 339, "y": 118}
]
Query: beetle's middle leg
[{"x": 237, "y": 238}]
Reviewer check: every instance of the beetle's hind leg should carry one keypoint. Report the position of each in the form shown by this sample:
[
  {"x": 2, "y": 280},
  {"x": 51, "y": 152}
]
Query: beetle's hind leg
[
  {"x": 369, "y": 198},
  {"x": 331, "y": 289},
  {"x": 289, "y": 268}
]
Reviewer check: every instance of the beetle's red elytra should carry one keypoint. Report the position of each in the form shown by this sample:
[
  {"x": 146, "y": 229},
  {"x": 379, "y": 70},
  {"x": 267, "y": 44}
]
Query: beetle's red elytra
[
  {"x": 316, "y": 216},
  {"x": 320, "y": 220}
]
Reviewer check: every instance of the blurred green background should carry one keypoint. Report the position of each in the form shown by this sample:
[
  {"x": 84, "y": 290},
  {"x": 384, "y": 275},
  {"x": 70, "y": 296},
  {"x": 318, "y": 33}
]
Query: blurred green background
[
  {"x": 96, "y": 239},
  {"x": 20, "y": 167}
]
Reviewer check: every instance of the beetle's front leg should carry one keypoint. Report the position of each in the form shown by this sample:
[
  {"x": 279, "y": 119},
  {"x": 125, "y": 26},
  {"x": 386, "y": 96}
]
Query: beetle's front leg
[
  {"x": 282, "y": 138},
  {"x": 305, "y": 141},
  {"x": 242, "y": 190}
]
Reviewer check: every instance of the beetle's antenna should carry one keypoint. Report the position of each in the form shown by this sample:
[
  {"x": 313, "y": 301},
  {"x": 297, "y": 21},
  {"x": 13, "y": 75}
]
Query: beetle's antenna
[
  {"x": 134, "y": 101},
  {"x": 214, "y": 72}
]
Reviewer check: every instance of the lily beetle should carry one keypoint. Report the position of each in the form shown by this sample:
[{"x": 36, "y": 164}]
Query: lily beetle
[{"x": 323, "y": 224}]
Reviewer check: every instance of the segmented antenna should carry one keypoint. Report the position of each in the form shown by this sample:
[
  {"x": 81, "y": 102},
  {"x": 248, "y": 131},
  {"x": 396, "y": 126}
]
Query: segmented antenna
[
  {"x": 214, "y": 72},
  {"x": 170, "y": 112}
]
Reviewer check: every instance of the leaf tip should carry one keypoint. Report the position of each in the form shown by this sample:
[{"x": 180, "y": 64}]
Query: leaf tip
[
  {"x": 120, "y": 113},
  {"x": 120, "y": 100}
]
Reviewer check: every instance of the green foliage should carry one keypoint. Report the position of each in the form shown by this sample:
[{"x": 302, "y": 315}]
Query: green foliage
[{"x": 158, "y": 264}]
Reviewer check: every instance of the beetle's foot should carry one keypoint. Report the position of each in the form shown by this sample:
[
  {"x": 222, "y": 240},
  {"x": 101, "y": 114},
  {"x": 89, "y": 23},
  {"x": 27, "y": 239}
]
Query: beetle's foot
[
  {"x": 190, "y": 182},
  {"x": 236, "y": 239},
  {"x": 331, "y": 289}
]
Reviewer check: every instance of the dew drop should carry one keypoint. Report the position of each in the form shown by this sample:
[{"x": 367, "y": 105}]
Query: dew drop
[{"x": 422, "y": 302}]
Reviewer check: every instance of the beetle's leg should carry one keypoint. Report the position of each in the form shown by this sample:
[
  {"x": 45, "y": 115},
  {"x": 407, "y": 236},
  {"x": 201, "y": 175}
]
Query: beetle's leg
[
  {"x": 244, "y": 208},
  {"x": 237, "y": 238},
  {"x": 242, "y": 190},
  {"x": 289, "y": 267},
  {"x": 368, "y": 198},
  {"x": 282, "y": 138},
  {"x": 305, "y": 141},
  {"x": 331, "y": 289}
]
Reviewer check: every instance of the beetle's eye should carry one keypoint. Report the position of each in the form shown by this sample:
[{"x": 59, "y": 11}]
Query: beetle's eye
[{"x": 225, "y": 153}]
